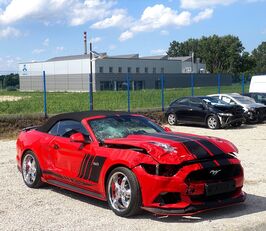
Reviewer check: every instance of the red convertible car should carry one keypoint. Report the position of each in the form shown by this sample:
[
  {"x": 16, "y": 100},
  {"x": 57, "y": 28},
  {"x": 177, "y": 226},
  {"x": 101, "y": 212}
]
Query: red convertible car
[{"x": 131, "y": 162}]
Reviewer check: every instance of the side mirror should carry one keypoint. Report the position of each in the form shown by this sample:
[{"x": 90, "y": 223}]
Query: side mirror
[
  {"x": 167, "y": 129},
  {"x": 78, "y": 138}
]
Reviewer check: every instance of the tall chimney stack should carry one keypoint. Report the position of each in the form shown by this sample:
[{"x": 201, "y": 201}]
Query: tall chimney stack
[{"x": 85, "y": 43}]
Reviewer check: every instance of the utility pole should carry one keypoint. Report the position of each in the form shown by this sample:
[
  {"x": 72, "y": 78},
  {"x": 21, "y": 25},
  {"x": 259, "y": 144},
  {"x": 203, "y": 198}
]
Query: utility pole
[{"x": 90, "y": 79}]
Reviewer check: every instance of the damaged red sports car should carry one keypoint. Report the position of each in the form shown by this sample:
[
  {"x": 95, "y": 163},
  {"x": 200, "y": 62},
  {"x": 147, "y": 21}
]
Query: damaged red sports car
[{"x": 131, "y": 162}]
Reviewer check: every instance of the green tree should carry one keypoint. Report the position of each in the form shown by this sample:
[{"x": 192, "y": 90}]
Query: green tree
[
  {"x": 247, "y": 63},
  {"x": 184, "y": 49},
  {"x": 259, "y": 55},
  {"x": 221, "y": 54}
]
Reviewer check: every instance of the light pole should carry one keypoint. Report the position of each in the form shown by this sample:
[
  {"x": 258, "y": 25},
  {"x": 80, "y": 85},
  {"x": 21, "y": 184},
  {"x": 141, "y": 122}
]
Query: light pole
[{"x": 90, "y": 79}]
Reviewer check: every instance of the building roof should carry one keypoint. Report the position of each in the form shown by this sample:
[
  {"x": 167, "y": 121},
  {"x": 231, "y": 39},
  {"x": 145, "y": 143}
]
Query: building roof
[
  {"x": 159, "y": 57},
  {"x": 181, "y": 58},
  {"x": 127, "y": 56}
]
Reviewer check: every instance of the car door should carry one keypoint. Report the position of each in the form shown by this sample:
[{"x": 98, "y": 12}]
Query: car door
[
  {"x": 182, "y": 109},
  {"x": 66, "y": 157},
  {"x": 197, "y": 112}
]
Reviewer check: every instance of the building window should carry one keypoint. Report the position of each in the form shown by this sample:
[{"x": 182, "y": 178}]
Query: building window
[
  {"x": 101, "y": 69},
  {"x": 154, "y": 70},
  {"x": 110, "y": 69},
  {"x": 129, "y": 70},
  {"x": 106, "y": 85},
  {"x": 119, "y": 69},
  {"x": 158, "y": 84},
  {"x": 121, "y": 85},
  {"x": 162, "y": 70},
  {"x": 146, "y": 70},
  {"x": 137, "y": 69},
  {"x": 138, "y": 85}
]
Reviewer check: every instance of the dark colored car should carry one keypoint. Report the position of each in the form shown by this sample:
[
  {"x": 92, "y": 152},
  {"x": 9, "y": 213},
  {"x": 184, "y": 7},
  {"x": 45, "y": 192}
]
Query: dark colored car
[
  {"x": 132, "y": 163},
  {"x": 257, "y": 96},
  {"x": 204, "y": 110}
]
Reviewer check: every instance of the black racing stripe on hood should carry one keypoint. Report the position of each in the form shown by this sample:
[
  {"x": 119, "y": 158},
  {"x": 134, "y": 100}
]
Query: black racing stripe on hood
[
  {"x": 214, "y": 149},
  {"x": 193, "y": 147}
]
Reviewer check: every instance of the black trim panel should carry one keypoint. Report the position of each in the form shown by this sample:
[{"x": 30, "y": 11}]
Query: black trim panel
[
  {"x": 73, "y": 188},
  {"x": 97, "y": 165},
  {"x": 74, "y": 181}
]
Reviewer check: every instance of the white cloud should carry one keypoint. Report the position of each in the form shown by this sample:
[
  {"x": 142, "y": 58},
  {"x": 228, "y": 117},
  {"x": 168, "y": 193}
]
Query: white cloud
[
  {"x": 119, "y": 18},
  {"x": 46, "y": 42},
  {"x": 96, "y": 40},
  {"x": 38, "y": 51},
  {"x": 206, "y": 14},
  {"x": 9, "y": 64},
  {"x": 74, "y": 12},
  {"x": 164, "y": 32},
  {"x": 195, "y": 4},
  {"x": 59, "y": 48},
  {"x": 126, "y": 35},
  {"x": 158, "y": 52},
  {"x": 9, "y": 32},
  {"x": 90, "y": 10},
  {"x": 157, "y": 17}
]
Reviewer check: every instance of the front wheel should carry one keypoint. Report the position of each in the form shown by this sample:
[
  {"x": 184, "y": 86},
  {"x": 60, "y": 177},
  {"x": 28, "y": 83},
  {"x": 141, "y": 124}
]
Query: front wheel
[
  {"x": 171, "y": 118},
  {"x": 213, "y": 122},
  {"x": 31, "y": 171},
  {"x": 123, "y": 192}
]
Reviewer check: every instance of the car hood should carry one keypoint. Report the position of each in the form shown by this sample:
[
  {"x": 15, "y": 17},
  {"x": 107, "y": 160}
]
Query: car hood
[
  {"x": 254, "y": 105},
  {"x": 176, "y": 148},
  {"x": 226, "y": 108}
]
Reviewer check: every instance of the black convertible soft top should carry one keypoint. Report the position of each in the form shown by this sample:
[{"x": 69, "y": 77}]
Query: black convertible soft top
[{"x": 77, "y": 116}]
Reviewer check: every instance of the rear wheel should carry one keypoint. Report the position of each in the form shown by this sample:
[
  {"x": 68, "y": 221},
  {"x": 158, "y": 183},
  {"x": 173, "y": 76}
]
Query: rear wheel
[
  {"x": 31, "y": 171},
  {"x": 171, "y": 118},
  {"x": 213, "y": 122},
  {"x": 123, "y": 192}
]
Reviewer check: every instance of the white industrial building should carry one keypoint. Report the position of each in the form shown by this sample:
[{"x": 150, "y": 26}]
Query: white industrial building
[{"x": 70, "y": 73}]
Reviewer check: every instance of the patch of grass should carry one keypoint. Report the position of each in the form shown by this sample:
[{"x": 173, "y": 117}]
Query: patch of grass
[{"x": 58, "y": 102}]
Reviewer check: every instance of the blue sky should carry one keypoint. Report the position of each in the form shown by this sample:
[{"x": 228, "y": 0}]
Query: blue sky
[{"x": 41, "y": 29}]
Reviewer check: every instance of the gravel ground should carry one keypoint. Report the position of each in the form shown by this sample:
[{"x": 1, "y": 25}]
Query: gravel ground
[{"x": 51, "y": 208}]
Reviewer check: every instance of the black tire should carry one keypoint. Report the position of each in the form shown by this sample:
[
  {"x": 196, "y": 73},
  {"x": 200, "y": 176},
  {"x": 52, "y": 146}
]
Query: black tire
[
  {"x": 35, "y": 176},
  {"x": 213, "y": 122},
  {"x": 135, "y": 201},
  {"x": 172, "y": 119}
]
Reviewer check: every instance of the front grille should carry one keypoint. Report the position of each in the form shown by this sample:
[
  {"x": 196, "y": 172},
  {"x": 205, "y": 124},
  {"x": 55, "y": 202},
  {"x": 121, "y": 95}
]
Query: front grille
[
  {"x": 215, "y": 198},
  {"x": 213, "y": 174}
]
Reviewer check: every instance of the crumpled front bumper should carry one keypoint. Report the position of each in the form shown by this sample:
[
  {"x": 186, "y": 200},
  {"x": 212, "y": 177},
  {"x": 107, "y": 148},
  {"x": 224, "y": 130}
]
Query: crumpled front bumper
[
  {"x": 226, "y": 121},
  {"x": 194, "y": 209}
]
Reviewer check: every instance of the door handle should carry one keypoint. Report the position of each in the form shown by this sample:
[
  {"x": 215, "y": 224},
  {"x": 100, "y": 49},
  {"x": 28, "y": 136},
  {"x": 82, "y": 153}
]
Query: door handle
[{"x": 56, "y": 146}]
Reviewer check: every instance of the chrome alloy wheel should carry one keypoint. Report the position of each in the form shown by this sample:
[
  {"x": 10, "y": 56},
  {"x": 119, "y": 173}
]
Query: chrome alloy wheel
[
  {"x": 29, "y": 169},
  {"x": 171, "y": 119},
  {"x": 212, "y": 122},
  {"x": 119, "y": 191}
]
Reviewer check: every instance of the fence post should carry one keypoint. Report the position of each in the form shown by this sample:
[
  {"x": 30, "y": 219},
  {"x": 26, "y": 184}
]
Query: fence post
[
  {"x": 128, "y": 93},
  {"x": 192, "y": 85},
  {"x": 162, "y": 91},
  {"x": 44, "y": 95},
  {"x": 243, "y": 83},
  {"x": 219, "y": 83}
]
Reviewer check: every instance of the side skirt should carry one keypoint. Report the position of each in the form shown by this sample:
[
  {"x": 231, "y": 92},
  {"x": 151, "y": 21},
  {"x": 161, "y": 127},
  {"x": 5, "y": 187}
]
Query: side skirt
[{"x": 76, "y": 189}]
